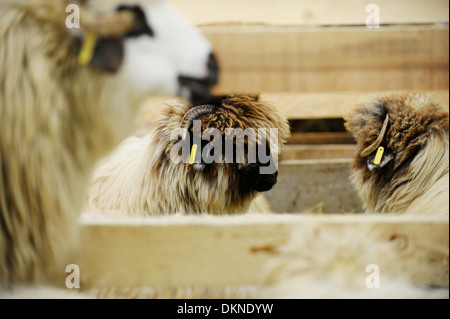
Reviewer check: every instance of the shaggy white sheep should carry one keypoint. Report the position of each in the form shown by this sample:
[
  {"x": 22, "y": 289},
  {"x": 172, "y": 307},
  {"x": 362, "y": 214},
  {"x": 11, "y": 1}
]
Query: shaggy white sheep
[{"x": 60, "y": 113}]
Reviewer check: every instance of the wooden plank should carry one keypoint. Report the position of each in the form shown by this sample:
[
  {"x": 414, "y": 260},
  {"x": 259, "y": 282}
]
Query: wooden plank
[
  {"x": 321, "y": 138},
  {"x": 318, "y": 12},
  {"x": 322, "y": 184},
  {"x": 276, "y": 59},
  {"x": 330, "y": 151},
  {"x": 323, "y": 105},
  {"x": 177, "y": 251},
  {"x": 328, "y": 49},
  {"x": 298, "y": 105}
]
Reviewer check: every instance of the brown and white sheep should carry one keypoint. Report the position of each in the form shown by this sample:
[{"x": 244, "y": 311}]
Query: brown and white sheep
[
  {"x": 412, "y": 176},
  {"x": 408, "y": 175},
  {"x": 57, "y": 117},
  {"x": 141, "y": 178}
]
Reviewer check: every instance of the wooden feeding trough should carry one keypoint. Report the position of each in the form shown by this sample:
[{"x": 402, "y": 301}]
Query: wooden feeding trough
[{"x": 314, "y": 61}]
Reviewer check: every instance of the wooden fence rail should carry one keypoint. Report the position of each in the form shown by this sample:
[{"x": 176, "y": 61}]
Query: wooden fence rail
[{"x": 177, "y": 251}]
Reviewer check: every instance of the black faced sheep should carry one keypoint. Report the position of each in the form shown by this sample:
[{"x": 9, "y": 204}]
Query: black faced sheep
[
  {"x": 401, "y": 165},
  {"x": 152, "y": 175},
  {"x": 67, "y": 97}
]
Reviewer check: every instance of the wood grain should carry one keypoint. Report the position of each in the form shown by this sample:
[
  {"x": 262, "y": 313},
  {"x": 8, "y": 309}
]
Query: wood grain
[
  {"x": 275, "y": 59},
  {"x": 311, "y": 138},
  {"x": 322, "y": 184},
  {"x": 298, "y": 105},
  {"x": 317, "y": 12},
  {"x": 317, "y": 151},
  {"x": 177, "y": 251}
]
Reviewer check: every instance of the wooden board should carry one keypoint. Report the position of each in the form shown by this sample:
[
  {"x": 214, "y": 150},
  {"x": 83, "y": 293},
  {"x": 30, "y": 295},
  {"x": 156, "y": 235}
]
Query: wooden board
[
  {"x": 276, "y": 59},
  {"x": 269, "y": 46},
  {"x": 177, "y": 251},
  {"x": 317, "y": 151},
  {"x": 321, "y": 138},
  {"x": 317, "y": 12},
  {"x": 298, "y": 105},
  {"x": 325, "y": 105},
  {"x": 322, "y": 184}
]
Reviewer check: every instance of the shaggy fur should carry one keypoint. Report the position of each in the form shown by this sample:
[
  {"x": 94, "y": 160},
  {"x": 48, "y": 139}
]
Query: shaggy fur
[
  {"x": 330, "y": 263},
  {"x": 416, "y": 180},
  {"x": 139, "y": 178},
  {"x": 57, "y": 120},
  {"x": 51, "y": 134}
]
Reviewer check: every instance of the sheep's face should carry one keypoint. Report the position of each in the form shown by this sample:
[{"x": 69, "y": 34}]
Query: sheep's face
[
  {"x": 227, "y": 147},
  {"x": 161, "y": 53},
  {"x": 391, "y": 132}
]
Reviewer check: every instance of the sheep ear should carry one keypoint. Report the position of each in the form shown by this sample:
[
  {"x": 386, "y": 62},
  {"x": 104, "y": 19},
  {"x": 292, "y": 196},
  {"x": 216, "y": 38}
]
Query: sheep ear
[
  {"x": 379, "y": 158},
  {"x": 109, "y": 52},
  {"x": 102, "y": 44},
  {"x": 102, "y": 54},
  {"x": 194, "y": 155}
]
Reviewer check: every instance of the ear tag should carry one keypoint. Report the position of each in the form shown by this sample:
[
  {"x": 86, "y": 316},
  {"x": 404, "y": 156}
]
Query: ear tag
[
  {"x": 193, "y": 152},
  {"x": 378, "y": 155},
  {"x": 87, "y": 49}
]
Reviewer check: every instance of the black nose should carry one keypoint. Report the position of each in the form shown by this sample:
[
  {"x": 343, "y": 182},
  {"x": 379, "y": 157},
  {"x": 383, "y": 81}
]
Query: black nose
[
  {"x": 251, "y": 178},
  {"x": 200, "y": 88},
  {"x": 264, "y": 182}
]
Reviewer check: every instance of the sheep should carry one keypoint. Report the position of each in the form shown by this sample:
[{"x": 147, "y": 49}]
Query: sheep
[
  {"x": 412, "y": 175},
  {"x": 350, "y": 262},
  {"x": 62, "y": 109},
  {"x": 142, "y": 177},
  {"x": 408, "y": 175}
]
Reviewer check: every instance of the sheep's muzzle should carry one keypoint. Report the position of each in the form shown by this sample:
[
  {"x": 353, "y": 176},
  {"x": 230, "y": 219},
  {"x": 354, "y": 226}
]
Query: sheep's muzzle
[{"x": 252, "y": 179}]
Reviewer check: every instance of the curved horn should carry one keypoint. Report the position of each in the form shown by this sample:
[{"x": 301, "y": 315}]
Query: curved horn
[
  {"x": 196, "y": 112},
  {"x": 371, "y": 148},
  {"x": 106, "y": 25},
  {"x": 193, "y": 114}
]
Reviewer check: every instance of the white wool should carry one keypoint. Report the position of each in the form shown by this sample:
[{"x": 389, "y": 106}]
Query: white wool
[
  {"x": 59, "y": 118},
  {"x": 325, "y": 262}
]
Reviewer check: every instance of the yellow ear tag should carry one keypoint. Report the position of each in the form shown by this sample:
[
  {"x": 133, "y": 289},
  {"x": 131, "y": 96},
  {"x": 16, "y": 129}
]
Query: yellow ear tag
[
  {"x": 378, "y": 155},
  {"x": 193, "y": 152},
  {"x": 87, "y": 49}
]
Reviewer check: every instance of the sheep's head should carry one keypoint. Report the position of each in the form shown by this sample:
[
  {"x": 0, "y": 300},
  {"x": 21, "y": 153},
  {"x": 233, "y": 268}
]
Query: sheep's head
[
  {"x": 401, "y": 124},
  {"x": 226, "y": 148},
  {"x": 154, "y": 47},
  {"x": 399, "y": 138}
]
